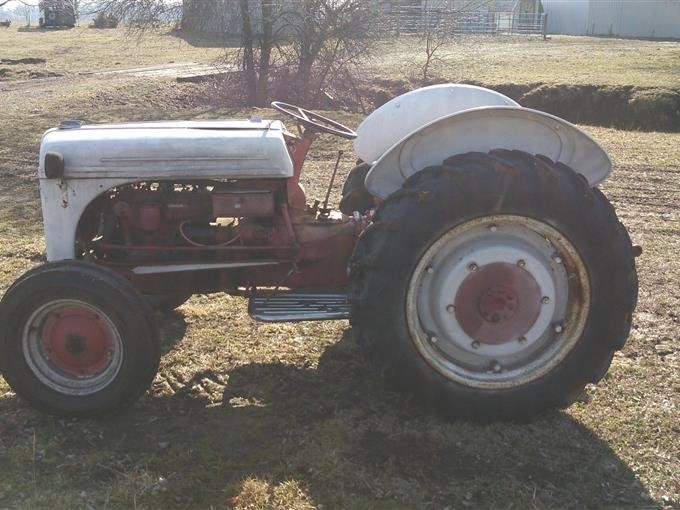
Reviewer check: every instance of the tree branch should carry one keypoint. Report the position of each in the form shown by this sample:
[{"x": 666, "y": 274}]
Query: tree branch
[{"x": 5, "y": 2}]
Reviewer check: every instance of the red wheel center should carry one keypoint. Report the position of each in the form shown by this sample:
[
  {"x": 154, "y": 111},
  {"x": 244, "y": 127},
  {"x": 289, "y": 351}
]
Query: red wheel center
[
  {"x": 498, "y": 303},
  {"x": 77, "y": 340}
]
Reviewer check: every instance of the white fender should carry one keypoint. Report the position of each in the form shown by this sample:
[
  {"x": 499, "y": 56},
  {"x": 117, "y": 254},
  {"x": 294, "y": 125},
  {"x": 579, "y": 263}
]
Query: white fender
[
  {"x": 408, "y": 112},
  {"x": 483, "y": 129}
]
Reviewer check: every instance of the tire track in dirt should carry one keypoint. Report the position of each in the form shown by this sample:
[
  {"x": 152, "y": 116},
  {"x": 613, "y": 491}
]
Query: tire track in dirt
[{"x": 181, "y": 71}]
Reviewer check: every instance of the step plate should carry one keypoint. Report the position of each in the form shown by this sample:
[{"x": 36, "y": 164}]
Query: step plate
[{"x": 294, "y": 306}]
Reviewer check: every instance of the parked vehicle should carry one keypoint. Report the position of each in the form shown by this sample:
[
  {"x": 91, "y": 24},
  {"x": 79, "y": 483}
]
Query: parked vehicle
[
  {"x": 58, "y": 13},
  {"x": 480, "y": 266}
]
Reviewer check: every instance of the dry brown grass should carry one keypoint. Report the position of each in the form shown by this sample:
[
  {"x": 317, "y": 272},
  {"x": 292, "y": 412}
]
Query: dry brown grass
[
  {"x": 81, "y": 50},
  {"x": 257, "y": 416},
  {"x": 562, "y": 59},
  {"x": 490, "y": 60}
]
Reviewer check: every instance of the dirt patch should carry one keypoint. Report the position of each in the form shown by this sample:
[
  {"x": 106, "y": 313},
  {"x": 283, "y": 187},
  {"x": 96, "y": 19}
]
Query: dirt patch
[
  {"x": 9, "y": 74},
  {"x": 28, "y": 60},
  {"x": 621, "y": 107}
]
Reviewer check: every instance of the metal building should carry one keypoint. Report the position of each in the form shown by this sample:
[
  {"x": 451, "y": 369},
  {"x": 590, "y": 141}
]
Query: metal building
[{"x": 615, "y": 18}]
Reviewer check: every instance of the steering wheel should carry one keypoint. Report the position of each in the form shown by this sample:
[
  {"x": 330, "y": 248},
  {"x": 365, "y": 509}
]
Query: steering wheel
[{"x": 314, "y": 121}]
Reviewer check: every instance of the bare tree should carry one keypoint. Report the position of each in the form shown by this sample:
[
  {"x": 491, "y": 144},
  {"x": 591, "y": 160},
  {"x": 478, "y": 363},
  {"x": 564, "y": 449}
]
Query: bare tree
[
  {"x": 255, "y": 55},
  {"x": 434, "y": 35},
  {"x": 26, "y": 10},
  {"x": 140, "y": 15},
  {"x": 5, "y": 2},
  {"x": 329, "y": 38},
  {"x": 304, "y": 43},
  {"x": 437, "y": 29}
]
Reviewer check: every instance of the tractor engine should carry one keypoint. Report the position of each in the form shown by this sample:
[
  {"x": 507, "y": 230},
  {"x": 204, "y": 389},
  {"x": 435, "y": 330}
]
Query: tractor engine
[
  {"x": 141, "y": 222},
  {"x": 217, "y": 234}
]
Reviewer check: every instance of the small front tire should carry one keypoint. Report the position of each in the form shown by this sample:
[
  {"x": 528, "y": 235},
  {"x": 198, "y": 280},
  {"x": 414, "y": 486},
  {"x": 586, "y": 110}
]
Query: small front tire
[{"x": 77, "y": 339}]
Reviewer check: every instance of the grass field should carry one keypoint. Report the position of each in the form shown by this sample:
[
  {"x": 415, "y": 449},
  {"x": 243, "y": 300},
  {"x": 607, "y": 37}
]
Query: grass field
[
  {"x": 255, "y": 416},
  {"x": 562, "y": 59}
]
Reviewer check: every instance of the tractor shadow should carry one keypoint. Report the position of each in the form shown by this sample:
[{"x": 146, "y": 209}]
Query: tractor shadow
[
  {"x": 343, "y": 436},
  {"x": 173, "y": 330},
  {"x": 335, "y": 429}
]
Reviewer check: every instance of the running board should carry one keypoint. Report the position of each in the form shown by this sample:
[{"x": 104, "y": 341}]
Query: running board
[{"x": 300, "y": 305}]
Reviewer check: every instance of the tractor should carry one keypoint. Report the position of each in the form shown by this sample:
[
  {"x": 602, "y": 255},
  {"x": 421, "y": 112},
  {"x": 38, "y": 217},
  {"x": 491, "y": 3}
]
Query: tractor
[{"x": 482, "y": 270}]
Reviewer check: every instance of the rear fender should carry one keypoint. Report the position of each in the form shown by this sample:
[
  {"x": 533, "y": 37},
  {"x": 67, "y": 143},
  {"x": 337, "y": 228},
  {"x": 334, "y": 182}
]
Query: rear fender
[
  {"x": 409, "y": 112},
  {"x": 484, "y": 129}
]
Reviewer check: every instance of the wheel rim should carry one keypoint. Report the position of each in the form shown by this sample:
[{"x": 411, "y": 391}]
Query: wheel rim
[
  {"x": 498, "y": 301},
  {"x": 72, "y": 347}
]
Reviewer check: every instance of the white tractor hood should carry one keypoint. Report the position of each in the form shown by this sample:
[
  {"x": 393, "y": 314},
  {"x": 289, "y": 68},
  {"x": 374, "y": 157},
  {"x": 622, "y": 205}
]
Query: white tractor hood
[{"x": 150, "y": 150}]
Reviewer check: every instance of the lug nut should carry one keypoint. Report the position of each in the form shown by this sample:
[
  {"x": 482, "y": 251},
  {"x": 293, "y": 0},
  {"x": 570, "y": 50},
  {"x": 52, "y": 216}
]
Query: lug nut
[
  {"x": 493, "y": 228},
  {"x": 558, "y": 328},
  {"x": 451, "y": 308},
  {"x": 557, "y": 259},
  {"x": 473, "y": 267},
  {"x": 475, "y": 344},
  {"x": 545, "y": 300},
  {"x": 521, "y": 263},
  {"x": 433, "y": 339},
  {"x": 497, "y": 368},
  {"x": 429, "y": 270}
]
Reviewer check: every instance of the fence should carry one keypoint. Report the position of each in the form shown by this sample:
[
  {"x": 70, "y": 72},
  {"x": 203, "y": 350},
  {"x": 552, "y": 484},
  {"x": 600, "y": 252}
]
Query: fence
[{"x": 446, "y": 22}]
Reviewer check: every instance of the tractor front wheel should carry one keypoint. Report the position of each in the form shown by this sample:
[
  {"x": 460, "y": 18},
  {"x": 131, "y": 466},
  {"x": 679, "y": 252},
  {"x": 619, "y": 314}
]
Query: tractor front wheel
[
  {"x": 77, "y": 339},
  {"x": 495, "y": 286}
]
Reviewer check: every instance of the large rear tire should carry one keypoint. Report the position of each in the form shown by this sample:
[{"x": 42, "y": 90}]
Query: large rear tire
[
  {"x": 77, "y": 339},
  {"x": 355, "y": 196},
  {"x": 495, "y": 286}
]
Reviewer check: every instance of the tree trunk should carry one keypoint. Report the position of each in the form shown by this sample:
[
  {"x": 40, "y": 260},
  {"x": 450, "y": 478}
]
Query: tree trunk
[
  {"x": 266, "y": 46},
  {"x": 248, "y": 53}
]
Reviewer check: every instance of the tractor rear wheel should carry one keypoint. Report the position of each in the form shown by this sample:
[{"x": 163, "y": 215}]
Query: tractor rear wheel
[
  {"x": 355, "y": 196},
  {"x": 495, "y": 286},
  {"x": 77, "y": 339}
]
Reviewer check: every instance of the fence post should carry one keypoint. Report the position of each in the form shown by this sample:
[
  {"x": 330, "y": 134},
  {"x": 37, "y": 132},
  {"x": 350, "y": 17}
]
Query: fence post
[{"x": 545, "y": 26}]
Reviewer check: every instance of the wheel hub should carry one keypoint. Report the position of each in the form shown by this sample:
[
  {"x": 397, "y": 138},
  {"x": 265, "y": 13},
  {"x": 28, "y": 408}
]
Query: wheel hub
[
  {"x": 76, "y": 340},
  {"x": 72, "y": 346},
  {"x": 498, "y": 303},
  {"x": 488, "y": 304}
]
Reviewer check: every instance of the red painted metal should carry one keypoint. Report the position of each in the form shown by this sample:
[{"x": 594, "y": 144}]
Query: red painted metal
[
  {"x": 299, "y": 147},
  {"x": 159, "y": 223},
  {"x": 77, "y": 341},
  {"x": 498, "y": 303},
  {"x": 149, "y": 217},
  {"x": 253, "y": 204}
]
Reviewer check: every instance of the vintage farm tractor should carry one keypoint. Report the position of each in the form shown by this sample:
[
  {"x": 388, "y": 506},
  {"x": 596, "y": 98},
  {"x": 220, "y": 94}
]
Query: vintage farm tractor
[{"x": 481, "y": 268}]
